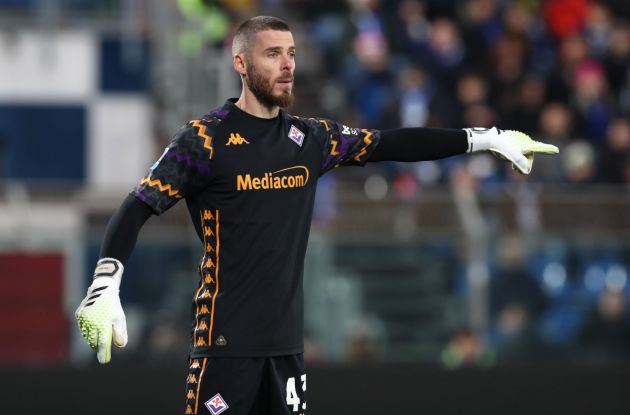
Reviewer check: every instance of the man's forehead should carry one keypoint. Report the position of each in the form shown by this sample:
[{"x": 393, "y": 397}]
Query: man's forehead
[{"x": 274, "y": 38}]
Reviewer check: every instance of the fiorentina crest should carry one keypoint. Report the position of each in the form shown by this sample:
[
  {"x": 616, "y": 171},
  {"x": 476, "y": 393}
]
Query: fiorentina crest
[
  {"x": 216, "y": 404},
  {"x": 296, "y": 135}
]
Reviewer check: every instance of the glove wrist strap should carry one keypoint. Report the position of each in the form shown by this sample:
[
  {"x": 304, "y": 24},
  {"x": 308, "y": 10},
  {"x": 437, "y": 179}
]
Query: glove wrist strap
[
  {"x": 479, "y": 139},
  {"x": 109, "y": 268}
]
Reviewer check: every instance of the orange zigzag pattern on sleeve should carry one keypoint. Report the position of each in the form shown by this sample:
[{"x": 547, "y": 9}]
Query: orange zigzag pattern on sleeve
[
  {"x": 161, "y": 187},
  {"x": 207, "y": 139},
  {"x": 367, "y": 142}
]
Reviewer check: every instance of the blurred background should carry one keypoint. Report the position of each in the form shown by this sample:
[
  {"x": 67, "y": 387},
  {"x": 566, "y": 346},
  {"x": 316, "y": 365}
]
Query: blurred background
[{"x": 446, "y": 286}]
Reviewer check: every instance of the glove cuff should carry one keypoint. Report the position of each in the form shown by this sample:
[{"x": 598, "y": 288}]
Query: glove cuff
[
  {"x": 480, "y": 139},
  {"x": 107, "y": 269}
]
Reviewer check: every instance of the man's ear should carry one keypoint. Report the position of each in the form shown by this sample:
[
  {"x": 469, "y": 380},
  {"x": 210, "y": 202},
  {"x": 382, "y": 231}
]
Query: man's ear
[{"x": 240, "y": 65}]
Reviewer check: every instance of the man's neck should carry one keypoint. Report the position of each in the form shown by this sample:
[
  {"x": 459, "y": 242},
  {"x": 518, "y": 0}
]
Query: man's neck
[{"x": 247, "y": 102}]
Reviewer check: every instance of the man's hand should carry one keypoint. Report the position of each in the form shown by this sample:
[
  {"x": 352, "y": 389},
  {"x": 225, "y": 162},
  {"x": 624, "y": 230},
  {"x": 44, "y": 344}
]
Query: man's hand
[
  {"x": 100, "y": 315},
  {"x": 513, "y": 146}
]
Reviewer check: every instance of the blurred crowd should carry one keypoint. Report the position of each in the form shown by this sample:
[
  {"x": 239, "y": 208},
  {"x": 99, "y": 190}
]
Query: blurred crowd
[
  {"x": 564, "y": 304},
  {"x": 555, "y": 69}
]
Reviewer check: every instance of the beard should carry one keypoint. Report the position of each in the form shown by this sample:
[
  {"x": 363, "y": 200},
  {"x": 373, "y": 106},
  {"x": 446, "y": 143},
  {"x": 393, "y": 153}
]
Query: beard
[{"x": 262, "y": 88}]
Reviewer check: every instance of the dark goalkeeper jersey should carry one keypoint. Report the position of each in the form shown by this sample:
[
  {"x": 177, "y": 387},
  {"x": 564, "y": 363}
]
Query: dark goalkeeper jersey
[{"x": 249, "y": 184}]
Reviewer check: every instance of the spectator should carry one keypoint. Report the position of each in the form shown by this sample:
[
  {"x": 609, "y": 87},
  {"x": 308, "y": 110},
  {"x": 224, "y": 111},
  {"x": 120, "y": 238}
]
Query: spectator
[
  {"x": 480, "y": 115},
  {"x": 555, "y": 125},
  {"x": 330, "y": 29},
  {"x": 572, "y": 50},
  {"x": 484, "y": 21},
  {"x": 512, "y": 283},
  {"x": 509, "y": 58},
  {"x": 590, "y": 102},
  {"x": 598, "y": 29},
  {"x": 443, "y": 54},
  {"x": 606, "y": 337},
  {"x": 565, "y": 18},
  {"x": 524, "y": 21},
  {"x": 518, "y": 340},
  {"x": 578, "y": 162},
  {"x": 370, "y": 77},
  {"x": 465, "y": 349},
  {"x": 531, "y": 99},
  {"x": 365, "y": 340},
  {"x": 616, "y": 152},
  {"x": 412, "y": 28},
  {"x": 617, "y": 59},
  {"x": 472, "y": 89},
  {"x": 419, "y": 104}
]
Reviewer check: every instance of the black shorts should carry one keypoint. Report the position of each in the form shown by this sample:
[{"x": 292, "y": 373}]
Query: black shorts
[{"x": 246, "y": 386}]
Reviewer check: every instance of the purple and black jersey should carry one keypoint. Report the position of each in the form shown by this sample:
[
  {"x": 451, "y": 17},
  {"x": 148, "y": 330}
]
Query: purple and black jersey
[{"x": 249, "y": 184}]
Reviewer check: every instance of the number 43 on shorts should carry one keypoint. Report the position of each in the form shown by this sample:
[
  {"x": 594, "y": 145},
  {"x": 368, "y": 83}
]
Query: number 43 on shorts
[{"x": 292, "y": 397}]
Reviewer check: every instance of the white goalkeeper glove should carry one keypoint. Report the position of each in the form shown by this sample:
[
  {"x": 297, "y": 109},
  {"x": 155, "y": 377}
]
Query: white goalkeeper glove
[
  {"x": 516, "y": 147},
  {"x": 100, "y": 316}
]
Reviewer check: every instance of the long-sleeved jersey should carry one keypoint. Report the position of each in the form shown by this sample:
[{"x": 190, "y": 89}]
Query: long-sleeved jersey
[{"x": 249, "y": 184}]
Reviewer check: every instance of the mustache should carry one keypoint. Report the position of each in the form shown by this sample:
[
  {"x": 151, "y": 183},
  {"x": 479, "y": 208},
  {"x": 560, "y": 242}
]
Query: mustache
[{"x": 286, "y": 78}]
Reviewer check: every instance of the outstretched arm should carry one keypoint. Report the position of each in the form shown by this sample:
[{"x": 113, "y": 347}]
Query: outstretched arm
[{"x": 418, "y": 144}]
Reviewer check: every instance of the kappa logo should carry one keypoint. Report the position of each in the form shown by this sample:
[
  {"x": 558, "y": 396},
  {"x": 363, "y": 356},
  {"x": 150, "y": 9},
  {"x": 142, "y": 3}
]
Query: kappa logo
[
  {"x": 216, "y": 404},
  {"x": 289, "y": 178},
  {"x": 204, "y": 309},
  {"x": 296, "y": 135},
  {"x": 195, "y": 364},
  {"x": 202, "y": 326},
  {"x": 236, "y": 140},
  {"x": 190, "y": 394}
]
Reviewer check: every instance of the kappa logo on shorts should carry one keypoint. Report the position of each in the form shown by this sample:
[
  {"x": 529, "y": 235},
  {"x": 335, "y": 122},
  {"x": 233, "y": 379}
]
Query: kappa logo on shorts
[
  {"x": 296, "y": 135},
  {"x": 216, "y": 404}
]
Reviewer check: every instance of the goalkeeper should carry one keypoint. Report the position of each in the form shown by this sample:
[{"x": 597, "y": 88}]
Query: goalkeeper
[{"x": 248, "y": 173}]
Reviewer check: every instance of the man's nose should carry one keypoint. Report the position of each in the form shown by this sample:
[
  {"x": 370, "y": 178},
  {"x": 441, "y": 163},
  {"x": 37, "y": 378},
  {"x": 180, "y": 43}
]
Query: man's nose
[{"x": 288, "y": 63}]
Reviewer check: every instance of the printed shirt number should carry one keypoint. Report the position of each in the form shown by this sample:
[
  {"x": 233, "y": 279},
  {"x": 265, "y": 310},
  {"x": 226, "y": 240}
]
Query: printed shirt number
[{"x": 292, "y": 397}]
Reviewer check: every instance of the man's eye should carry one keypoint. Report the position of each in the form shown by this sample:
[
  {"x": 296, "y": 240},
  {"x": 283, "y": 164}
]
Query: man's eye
[{"x": 272, "y": 54}]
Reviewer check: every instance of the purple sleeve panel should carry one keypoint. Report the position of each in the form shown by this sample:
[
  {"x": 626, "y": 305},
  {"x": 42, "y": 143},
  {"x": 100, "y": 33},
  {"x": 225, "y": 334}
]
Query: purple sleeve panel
[
  {"x": 183, "y": 170},
  {"x": 345, "y": 146}
]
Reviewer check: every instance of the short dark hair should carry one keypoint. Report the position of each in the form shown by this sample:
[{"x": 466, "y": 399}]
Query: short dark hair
[{"x": 247, "y": 29}]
